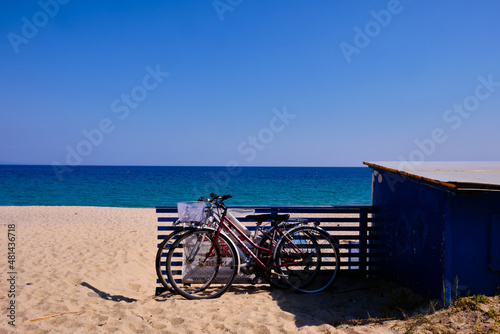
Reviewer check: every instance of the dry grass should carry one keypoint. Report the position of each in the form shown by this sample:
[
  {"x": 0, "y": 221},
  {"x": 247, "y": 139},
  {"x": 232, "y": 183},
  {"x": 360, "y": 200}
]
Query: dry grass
[
  {"x": 391, "y": 308},
  {"x": 474, "y": 314}
]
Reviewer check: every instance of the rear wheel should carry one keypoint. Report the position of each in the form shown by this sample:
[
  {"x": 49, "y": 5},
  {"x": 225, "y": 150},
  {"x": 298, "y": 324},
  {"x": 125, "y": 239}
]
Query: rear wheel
[
  {"x": 273, "y": 278},
  {"x": 307, "y": 259},
  {"x": 200, "y": 267}
]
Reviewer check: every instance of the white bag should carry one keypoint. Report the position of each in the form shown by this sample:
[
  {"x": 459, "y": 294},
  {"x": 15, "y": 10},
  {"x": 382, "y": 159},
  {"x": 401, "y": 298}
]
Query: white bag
[{"x": 191, "y": 211}]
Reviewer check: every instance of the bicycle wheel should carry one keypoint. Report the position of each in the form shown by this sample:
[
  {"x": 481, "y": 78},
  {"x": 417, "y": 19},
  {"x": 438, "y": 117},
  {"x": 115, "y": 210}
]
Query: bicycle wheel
[
  {"x": 307, "y": 259},
  {"x": 272, "y": 277},
  {"x": 200, "y": 267},
  {"x": 161, "y": 255}
]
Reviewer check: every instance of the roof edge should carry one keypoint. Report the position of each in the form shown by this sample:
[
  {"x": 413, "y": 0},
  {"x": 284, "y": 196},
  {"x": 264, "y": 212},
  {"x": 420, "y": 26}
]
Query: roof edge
[{"x": 403, "y": 173}]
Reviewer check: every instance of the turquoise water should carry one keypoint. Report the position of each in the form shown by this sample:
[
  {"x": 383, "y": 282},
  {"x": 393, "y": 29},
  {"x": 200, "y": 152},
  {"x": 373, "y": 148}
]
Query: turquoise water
[{"x": 139, "y": 186}]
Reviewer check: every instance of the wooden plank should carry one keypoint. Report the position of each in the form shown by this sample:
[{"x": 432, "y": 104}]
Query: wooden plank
[
  {"x": 166, "y": 227},
  {"x": 356, "y": 246},
  {"x": 166, "y": 209},
  {"x": 347, "y": 228},
  {"x": 167, "y": 219}
]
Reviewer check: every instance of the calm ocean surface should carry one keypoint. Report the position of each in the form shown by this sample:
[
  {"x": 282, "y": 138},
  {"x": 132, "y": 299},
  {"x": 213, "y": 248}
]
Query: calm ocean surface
[{"x": 138, "y": 186}]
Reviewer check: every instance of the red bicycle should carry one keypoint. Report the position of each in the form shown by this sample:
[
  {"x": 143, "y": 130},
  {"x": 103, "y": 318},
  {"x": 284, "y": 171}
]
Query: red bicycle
[{"x": 204, "y": 262}]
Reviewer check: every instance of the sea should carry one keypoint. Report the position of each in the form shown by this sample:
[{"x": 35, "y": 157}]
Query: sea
[{"x": 151, "y": 186}]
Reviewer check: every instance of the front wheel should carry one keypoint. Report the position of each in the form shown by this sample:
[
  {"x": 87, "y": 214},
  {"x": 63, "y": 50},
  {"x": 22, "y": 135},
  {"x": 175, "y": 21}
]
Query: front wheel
[
  {"x": 307, "y": 259},
  {"x": 162, "y": 253},
  {"x": 201, "y": 265}
]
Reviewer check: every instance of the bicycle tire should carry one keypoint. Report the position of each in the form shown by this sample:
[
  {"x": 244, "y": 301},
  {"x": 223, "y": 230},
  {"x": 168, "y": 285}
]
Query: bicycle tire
[
  {"x": 199, "y": 267},
  {"x": 274, "y": 279},
  {"x": 313, "y": 258},
  {"x": 161, "y": 255}
]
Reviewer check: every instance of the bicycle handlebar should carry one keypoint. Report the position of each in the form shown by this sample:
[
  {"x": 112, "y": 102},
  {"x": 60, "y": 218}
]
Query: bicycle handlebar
[{"x": 222, "y": 198}]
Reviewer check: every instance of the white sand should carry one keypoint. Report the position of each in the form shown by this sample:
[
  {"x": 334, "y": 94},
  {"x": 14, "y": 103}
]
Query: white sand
[{"x": 93, "y": 268}]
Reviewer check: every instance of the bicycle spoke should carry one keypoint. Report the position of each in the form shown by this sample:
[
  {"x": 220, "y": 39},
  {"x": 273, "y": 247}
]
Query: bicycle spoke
[
  {"x": 199, "y": 267},
  {"x": 307, "y": 259}
]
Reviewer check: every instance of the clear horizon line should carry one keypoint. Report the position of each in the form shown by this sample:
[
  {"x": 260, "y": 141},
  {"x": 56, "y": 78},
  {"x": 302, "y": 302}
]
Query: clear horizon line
[{"x": 218, "y": 166}]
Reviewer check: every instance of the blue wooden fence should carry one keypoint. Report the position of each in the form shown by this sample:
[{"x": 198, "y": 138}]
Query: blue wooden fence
[{"x": 352, "y": 226}]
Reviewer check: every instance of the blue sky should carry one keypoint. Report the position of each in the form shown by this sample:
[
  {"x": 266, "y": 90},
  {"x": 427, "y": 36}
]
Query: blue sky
[{"x": 252, "y": 83}]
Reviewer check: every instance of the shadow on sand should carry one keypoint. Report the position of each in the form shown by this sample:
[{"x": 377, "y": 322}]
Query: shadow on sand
[
  {"x": 107, "y": 296},
  {"x": 350, "y": 301}
]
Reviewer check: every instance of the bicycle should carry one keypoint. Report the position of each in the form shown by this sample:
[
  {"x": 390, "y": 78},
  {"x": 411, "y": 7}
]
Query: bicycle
[
  {"x": 204, "y": 262},
  {"x": 189, "y": 226}
]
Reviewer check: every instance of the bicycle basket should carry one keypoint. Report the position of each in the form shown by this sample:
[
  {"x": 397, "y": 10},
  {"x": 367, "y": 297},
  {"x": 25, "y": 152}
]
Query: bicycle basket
[{"x": 191, "y": 211}]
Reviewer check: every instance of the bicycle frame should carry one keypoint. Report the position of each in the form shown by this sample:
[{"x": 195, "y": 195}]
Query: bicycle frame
[{"x": 229, "y": 227}]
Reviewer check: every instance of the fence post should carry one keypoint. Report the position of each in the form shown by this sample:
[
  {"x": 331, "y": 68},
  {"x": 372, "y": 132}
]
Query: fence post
[{"x": 363, "y": 241}]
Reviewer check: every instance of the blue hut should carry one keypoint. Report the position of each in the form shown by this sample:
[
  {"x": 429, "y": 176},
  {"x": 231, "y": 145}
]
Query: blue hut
[{"x": 438, "y": 226}]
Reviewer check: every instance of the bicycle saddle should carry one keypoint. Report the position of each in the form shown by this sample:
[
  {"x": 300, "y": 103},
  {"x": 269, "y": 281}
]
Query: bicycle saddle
[{"x": 270, "y": 216}]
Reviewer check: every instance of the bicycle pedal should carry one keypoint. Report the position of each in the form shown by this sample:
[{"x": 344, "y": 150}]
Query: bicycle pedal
[{"x": 254, "y": 280}]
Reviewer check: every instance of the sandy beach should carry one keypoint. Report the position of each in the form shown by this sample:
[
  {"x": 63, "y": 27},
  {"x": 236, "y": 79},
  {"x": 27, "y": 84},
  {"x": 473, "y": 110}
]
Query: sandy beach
[{"x": 91, "y": 270}]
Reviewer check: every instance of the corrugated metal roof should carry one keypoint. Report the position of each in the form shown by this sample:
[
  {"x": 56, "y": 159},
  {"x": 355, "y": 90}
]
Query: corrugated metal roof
[{"x": 459, "y": 175}]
